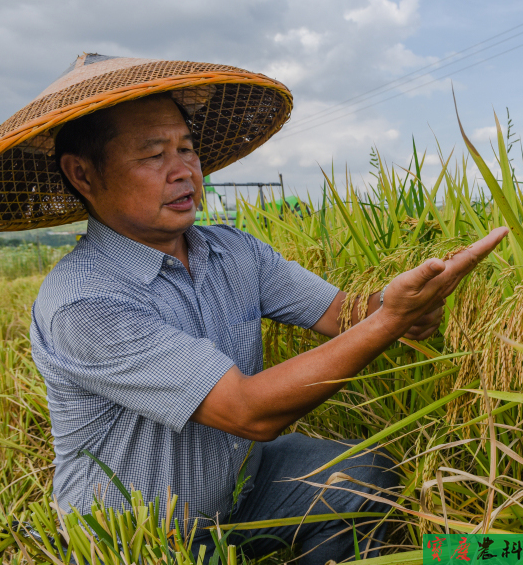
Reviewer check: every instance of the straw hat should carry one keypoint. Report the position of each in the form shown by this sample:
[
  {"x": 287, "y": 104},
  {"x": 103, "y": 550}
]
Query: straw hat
[{"x": 232, "y": 112}]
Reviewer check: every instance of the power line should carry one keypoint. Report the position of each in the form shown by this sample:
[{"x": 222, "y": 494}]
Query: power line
[
  {"x": 364, "y": 94},
  {"x": 331, "y": 110},
  {"x": 404, "y": 92}
]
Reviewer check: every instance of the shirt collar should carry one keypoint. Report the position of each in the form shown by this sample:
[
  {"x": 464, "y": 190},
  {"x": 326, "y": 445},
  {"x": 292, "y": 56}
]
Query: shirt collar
[
  {"x": 139, "y": 260},
  {"x": 197, "y": 238}
]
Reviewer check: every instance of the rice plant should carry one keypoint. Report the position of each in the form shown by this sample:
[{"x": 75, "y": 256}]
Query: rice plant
[
  {"x": 448, "y": 409},
  {"x": 139, "y": 535}
]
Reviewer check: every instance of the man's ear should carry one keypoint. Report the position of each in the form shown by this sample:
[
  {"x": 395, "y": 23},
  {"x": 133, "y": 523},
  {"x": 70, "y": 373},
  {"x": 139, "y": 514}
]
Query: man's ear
[{"x": 79, "y": 171}]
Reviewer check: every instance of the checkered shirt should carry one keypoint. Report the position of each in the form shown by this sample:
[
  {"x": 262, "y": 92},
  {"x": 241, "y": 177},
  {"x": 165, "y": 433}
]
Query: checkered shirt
[{"x": 129, "y": 344}]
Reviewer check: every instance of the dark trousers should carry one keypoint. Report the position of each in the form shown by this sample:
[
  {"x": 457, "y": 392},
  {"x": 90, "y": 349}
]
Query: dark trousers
[{"x": 273, "y": 497}]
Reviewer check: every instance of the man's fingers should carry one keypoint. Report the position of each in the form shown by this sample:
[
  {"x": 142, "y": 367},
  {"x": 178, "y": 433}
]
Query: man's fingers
[
  {"x": 421, "y": 329},
  {"x": 426, "y": 272},
  {"x": 465, "y": 261},
  {"x": 485, "y": 246},
  {"x": 423, "y": 335},
  {"x": 429, "y": 319},
  {"x": 420, "y": 291},
  {"x": 425, "y": 324}
]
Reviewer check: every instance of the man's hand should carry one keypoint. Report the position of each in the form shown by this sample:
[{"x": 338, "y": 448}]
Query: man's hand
[
  {"x": 413, "y": 298},
  {"x": 422, "y": 328},
  {"x": 429, "y": 318},
  {"x": 425, "y": 326}
]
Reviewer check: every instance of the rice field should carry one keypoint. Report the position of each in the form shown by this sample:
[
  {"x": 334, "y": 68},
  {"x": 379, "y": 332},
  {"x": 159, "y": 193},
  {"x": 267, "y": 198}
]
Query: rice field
[{"x": 448, "y": 409}]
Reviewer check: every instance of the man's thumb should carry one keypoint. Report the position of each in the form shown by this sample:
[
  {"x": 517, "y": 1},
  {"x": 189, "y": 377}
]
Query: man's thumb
[{"x": 429, "y": 270}]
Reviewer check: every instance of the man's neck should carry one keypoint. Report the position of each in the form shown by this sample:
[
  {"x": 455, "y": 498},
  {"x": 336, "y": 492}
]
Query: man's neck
[{"x": 176, "y": 247}]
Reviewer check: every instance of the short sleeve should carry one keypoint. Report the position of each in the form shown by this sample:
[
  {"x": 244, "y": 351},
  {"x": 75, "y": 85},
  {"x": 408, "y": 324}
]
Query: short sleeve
[
  {"x": 289, "y": 293},
  {"x": 125, "y": 352}
]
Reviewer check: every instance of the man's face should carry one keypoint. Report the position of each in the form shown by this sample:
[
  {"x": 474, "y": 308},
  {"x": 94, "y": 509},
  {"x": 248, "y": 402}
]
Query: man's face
[{"x": 152, "y": 180}]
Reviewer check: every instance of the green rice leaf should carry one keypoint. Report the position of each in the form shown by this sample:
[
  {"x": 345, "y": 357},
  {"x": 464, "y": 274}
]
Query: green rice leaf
[
  {"x": 500, "y": 395},
  {"x": 296, "y": 520},
  {"x": 512, "y": 221},
  {"x": 401, "y": 558},
  {"x": 101, "y": 533},
  {"x": 356, "y": 234},
  {"x": 400, "y": 368},
  {"x": 112, "y": 476}
]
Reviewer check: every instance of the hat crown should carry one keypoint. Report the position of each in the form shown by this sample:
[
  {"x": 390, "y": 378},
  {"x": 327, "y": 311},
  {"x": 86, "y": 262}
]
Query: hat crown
[
  {"x": 87, "y": 59},
  {"x": 89, "y": 66}
]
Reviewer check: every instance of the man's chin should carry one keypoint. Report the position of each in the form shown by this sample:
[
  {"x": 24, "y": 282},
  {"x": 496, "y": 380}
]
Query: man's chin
[{"x": 181, "y": 220}]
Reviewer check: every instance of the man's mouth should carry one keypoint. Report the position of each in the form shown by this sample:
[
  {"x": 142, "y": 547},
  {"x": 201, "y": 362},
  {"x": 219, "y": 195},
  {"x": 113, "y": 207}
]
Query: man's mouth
[{"x": 184, "y": 202}]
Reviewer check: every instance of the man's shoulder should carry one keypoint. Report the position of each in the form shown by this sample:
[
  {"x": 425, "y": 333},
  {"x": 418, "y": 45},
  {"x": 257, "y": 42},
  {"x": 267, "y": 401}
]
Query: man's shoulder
[{"x": 81, "y": 274}]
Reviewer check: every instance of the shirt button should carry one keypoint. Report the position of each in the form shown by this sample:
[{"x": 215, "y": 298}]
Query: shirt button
[
  {"x": 162, "y": 272},
  {"x": 235, "y": 446},
  {"x": 213, "y": 344},
  {"x": 170, "y": 262}
]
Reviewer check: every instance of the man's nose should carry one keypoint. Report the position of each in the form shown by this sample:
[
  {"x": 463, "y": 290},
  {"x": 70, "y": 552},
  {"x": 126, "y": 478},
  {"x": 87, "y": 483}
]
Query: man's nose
[{"x": 179, "y": 170}]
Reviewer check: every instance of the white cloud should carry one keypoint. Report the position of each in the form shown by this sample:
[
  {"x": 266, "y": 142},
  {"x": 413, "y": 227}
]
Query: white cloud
[
  {"x": 487, "y": 133},
  {"x": 432, "y": 159},
  {"x": 288, "y": 72},
  {"x": 349, "y": 143},
  {"x": 385, "y": 12},
  {"x": 397, "y": 58},
  {"x": 308, "y": 39}
]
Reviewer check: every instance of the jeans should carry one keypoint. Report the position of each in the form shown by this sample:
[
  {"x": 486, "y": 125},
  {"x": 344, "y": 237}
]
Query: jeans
[{"x": 272, "y": 497}]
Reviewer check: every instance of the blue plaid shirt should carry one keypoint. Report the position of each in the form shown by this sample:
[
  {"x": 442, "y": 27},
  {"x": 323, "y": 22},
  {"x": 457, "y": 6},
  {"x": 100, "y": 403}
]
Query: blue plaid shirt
[{"x": 130, "y": 344}]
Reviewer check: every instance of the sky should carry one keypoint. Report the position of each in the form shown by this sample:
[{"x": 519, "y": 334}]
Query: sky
[{"x": 363, "y": 73}]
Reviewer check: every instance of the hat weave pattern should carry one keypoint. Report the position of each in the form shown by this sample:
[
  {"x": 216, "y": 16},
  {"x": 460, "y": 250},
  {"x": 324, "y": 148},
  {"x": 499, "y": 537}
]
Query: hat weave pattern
[{"x": 243, "y": 111}]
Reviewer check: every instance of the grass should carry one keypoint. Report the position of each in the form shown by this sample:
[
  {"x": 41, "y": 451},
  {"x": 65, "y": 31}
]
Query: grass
[
  {"x": 29, "y": 259},
  {"x": 448, "y": 409}
]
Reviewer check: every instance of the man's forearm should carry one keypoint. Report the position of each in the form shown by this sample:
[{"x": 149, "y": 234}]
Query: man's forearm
[
  {"x": 265, "y": 404},
  {"x": 285, "y": 393}
]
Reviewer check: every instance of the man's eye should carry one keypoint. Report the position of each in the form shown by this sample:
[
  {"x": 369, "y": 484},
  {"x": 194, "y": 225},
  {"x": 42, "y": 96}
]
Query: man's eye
[{"x": 156, "y": 156}]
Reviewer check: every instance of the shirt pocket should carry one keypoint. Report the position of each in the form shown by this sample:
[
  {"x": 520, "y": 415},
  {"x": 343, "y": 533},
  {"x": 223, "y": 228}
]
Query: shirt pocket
[{"x": 246, "y": 340}]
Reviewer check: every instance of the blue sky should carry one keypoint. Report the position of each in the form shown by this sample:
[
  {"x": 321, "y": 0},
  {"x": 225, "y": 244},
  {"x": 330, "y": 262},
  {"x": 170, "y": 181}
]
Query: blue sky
[
  {"x": 449, "y": 26},
  {"x": 325, "y": 52}
]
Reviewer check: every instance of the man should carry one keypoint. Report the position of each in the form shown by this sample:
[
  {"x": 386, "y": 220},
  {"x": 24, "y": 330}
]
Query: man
[{"x": 148, "y": 336}]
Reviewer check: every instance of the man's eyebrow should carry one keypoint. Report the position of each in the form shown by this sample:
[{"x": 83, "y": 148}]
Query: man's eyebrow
[{"x": 159, "y": 140}]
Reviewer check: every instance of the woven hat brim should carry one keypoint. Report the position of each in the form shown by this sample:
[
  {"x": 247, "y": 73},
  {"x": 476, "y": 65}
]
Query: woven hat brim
[{"x": 245, "y": 110}]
